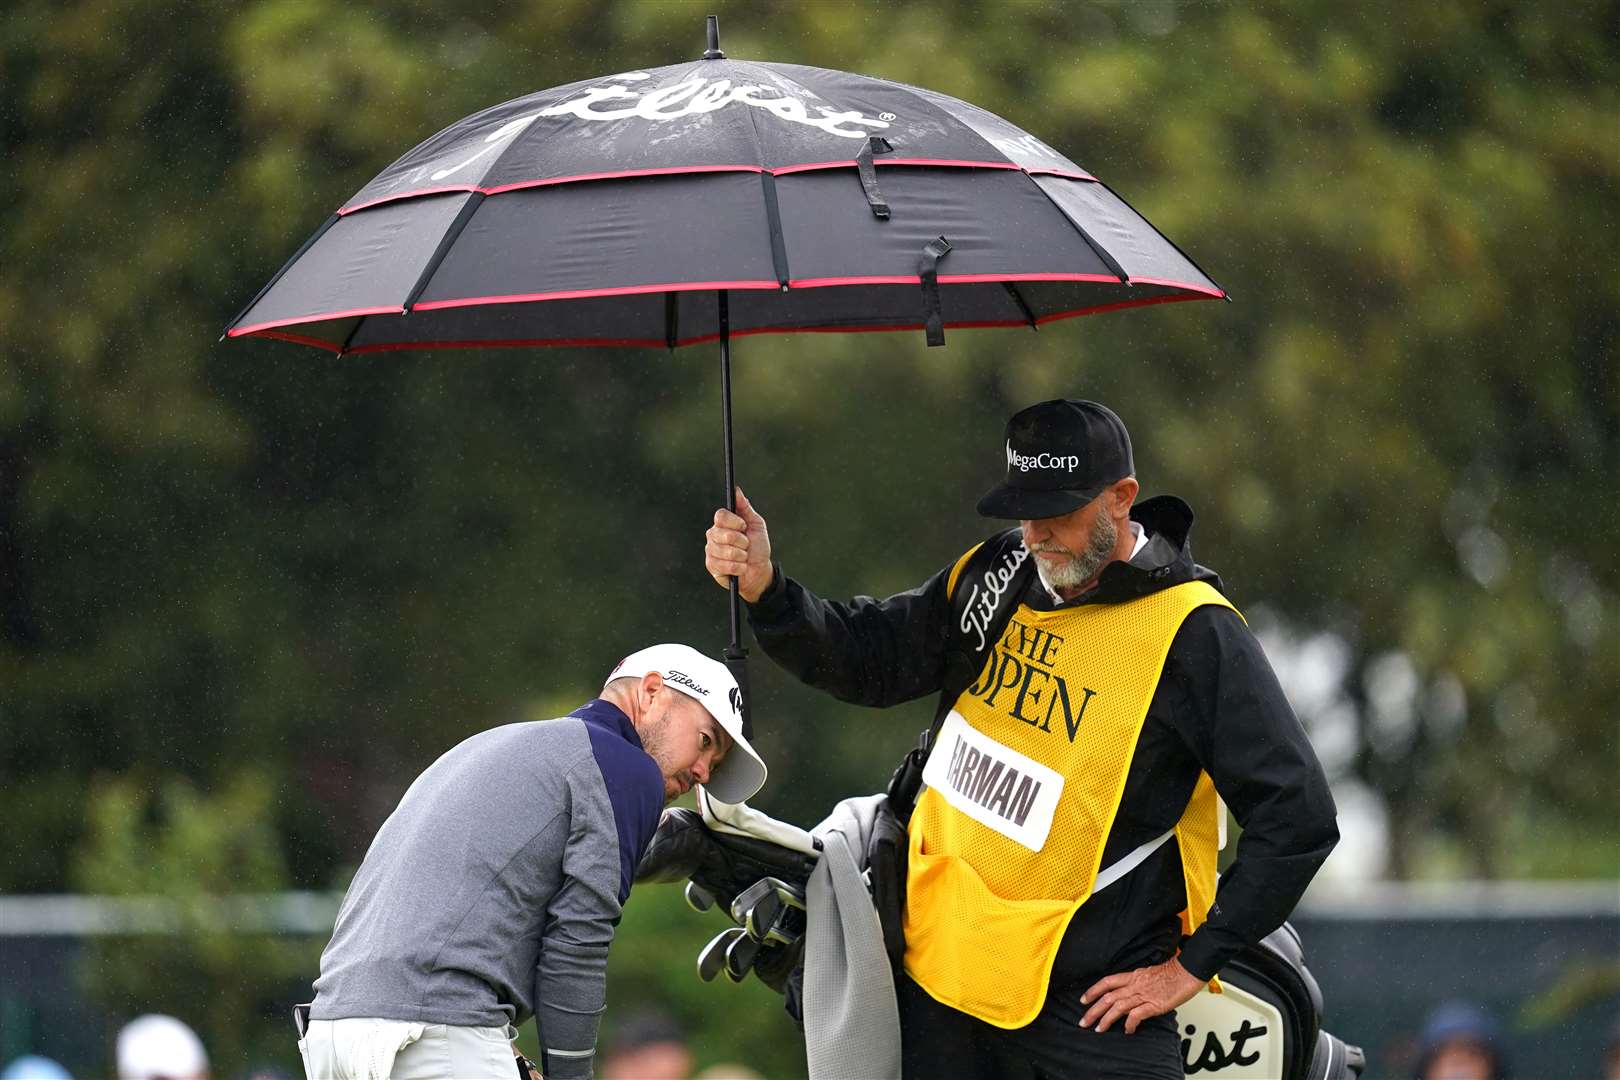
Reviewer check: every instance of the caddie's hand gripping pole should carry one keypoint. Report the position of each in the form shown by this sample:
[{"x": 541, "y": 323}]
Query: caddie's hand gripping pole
[{"x": 736, "y": 655}]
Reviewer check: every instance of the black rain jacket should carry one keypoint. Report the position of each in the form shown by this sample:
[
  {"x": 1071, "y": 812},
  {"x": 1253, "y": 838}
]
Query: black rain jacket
[{"x": 1218, "y": 708}]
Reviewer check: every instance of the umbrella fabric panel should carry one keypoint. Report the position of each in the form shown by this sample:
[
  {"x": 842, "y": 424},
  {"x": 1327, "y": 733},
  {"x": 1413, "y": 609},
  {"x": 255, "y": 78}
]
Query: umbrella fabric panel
[
  {"x": 364, "y": 263},
  {"x": 329, "y": 334},
  {"x": 649, "y": 234},
  {"x": 640, "y": 320},
  {"x": 900, "y": 306},
  {"x": 1138, "y": 247},
  {"x": 659, "y": 320},
  {"x": 588, "y": 129},
  {"x": 1062, "y": 299},
  {"x": 462, "y": 155},
  {"x": 849, "y": 109},
  {"x": 703, "y": 115},
  {"x": 997, "y": 221},
  {"x": 637, "y": 261},
  {"x": 1011, "y": 141},
  {"x": 871, "y": 308}
]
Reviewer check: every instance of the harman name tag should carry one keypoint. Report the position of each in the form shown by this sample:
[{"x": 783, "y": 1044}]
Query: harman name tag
[{"x": 993, "y": 784}]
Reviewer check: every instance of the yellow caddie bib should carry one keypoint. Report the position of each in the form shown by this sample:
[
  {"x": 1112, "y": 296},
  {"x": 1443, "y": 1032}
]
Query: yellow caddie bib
[{"x": 1023, "y": 782}]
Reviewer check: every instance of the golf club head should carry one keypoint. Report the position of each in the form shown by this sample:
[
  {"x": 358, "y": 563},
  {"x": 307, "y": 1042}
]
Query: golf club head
[
  {"x": 713, "y": 958},
  {"x": 740, "y": 955},
  {"x": 784, "y": 931},
  {"x": 771, "y": 911},
  {"x": 760, "y": 895},
  {"x": 698, "y": 898},
  {"x": 791, "y": 896},
  {"x": 777, "y": 892},
  {"x": 764, "y": 918}
]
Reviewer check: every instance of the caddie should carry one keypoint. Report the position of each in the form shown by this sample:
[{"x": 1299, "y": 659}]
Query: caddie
[
  {"x": 492, "y": 891},
  {"x": 1100, "y": 696}
]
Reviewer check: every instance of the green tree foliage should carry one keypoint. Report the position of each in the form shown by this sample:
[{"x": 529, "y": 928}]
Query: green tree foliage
[
  {"x": 1404, "y": 434},
  {"x": 194, "y": 864}
]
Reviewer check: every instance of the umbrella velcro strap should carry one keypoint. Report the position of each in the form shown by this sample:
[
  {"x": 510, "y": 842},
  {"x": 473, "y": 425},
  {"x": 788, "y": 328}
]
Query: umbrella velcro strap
[
  {"x": 773, "y": 221},
  {"x": 876, "y": 144},
  {"x": 928, "y": 274},
  {"x": 672, "y": 320}
]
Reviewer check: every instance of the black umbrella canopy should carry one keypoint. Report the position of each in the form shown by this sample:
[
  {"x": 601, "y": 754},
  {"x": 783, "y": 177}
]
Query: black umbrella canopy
[
  {"x": 615, "y": 211},
  {"x": 691, "y": 203}
]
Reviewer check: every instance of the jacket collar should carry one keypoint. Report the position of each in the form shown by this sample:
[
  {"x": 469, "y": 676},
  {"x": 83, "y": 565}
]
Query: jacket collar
[
  {"x": 601, "y": 713},
  {"x": 1166, "y": 560}
]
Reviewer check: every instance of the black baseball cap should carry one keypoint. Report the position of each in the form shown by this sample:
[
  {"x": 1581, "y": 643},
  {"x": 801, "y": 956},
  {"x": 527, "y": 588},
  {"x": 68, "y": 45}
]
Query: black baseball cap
[{"x": 1060, "y": 455}]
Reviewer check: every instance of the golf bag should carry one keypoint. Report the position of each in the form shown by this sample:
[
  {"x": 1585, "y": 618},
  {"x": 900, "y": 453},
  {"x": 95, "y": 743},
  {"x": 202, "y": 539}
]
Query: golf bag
[
  {"x": 755, "y": 867},
  {"x": 1266, "y": 1023}
]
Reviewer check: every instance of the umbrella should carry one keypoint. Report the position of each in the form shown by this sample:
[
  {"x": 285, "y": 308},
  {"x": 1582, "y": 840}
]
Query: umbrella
[{"x": 715, "y": 199}]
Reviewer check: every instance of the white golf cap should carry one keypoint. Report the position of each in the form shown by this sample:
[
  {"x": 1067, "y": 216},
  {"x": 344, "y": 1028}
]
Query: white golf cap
[
  {"x": 155, "y": 1045},
  {"x": 683, "y": 668}
]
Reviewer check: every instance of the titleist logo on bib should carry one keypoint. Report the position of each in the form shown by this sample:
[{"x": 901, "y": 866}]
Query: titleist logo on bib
[{"x": 984, "y": 599}]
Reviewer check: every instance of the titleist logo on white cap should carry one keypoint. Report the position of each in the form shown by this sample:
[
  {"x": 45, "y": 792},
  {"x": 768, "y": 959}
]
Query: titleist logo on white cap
[
  {"x": 674, "y": 676},
  {"x": 687, "y": 671}
]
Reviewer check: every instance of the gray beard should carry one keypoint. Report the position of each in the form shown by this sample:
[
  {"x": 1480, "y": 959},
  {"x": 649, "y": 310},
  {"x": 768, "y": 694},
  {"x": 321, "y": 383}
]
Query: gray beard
[{"x": 1084, "y": 565}]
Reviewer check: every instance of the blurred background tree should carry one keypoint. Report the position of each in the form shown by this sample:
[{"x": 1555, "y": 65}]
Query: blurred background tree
[
  {"x": 1403, "y": 437},
  {"x": 194, "y": 855}
]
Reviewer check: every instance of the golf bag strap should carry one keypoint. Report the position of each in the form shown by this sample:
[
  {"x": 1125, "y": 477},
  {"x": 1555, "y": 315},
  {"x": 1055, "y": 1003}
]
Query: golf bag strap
[
  {"x": 876, "y": 144},
  {"x": 928, "y": 274},
  {"x": 965, "y": 654},
  {"x": 1136, "y": 857}
]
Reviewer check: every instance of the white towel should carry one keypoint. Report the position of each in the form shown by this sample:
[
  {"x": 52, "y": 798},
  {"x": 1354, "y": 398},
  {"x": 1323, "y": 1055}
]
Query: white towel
[{"x": 851, "y": 1019}]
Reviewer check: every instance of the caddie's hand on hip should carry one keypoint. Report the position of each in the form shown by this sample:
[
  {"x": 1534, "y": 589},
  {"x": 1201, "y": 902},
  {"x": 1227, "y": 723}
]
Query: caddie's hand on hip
[
  {"x": 738, "y": 546},
  {"x": 1138, "y": 995}
]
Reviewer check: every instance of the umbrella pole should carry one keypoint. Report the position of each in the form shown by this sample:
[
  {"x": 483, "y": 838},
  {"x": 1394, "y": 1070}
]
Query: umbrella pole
[{"x": 736, "y": 656}]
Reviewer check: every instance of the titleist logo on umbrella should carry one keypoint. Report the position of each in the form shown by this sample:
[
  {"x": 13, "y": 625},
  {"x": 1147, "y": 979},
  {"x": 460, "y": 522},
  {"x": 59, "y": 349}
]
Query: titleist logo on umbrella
[
  {"x": 1026, "y": 462},
  {"x": 685, "y": 98},
  {"x": 700, "y": 95}
]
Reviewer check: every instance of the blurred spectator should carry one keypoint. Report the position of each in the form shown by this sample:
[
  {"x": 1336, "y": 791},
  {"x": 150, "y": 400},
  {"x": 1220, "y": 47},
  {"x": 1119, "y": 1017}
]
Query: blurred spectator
[
  {"x": 156, "y": 1047},
  {"x": 1461, "y": 1041},
  {"x": 34, "y": 1067},
  {"x": 1611, "y": 1057},
  {"x": 649, "y": 1045}
]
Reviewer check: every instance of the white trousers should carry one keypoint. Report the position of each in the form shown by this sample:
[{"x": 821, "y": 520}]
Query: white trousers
[{"x": 368, "y": 1049}]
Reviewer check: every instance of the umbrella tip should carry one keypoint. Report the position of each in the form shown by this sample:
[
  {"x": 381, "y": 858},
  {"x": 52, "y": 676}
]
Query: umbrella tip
[{"x": 714, "y": 52}]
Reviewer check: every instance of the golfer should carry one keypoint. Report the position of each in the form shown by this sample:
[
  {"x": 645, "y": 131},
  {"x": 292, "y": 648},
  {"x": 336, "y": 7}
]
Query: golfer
[
  {"x": 1061, "y": 889},
  {"x": 491, "y": 892}
]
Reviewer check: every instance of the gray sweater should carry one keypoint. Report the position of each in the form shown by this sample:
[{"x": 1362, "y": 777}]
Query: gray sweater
[{"x": 492, "y": 891}]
